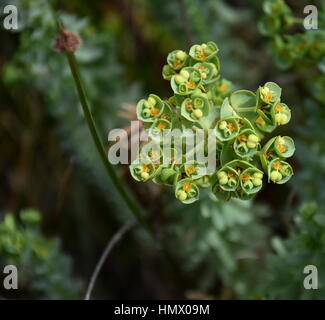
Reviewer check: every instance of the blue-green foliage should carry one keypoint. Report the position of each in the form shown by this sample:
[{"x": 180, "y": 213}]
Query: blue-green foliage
[
  {"x": 44, "y": 271},
  {"x": 305, "y": 246}
]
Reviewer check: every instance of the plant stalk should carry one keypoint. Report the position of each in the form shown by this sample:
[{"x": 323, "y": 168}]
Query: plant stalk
[{"x": 130, "y": 202}]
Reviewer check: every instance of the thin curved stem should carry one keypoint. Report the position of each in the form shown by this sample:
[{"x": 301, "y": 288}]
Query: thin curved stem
[
  {"x": 128, "y": 199},
  {"x": 116, "y": 238}
]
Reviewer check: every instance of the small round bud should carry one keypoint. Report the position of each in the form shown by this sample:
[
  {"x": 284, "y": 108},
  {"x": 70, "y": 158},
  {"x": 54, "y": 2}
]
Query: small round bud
[
  {"x": 223, "y": 125},
  {"x": 198, "y": 113},
  {"x": 152, "y": 102},
  {"x": 147, "y": 105},
  {"x": 181, "y": 55},
  {"x": 223, "y": 180},
  {"x": 284, "y": 119},
  {"x": 281, "y": 118},
  {"x": 257, "y": 182},
  {"x": 184, "y": 74},
  {"x": 275, "y": 176},
  {"x": 181, "y": 195},
  {"x": 251, "y": 145},
  {"x": 204, "y": 46},
  {"x": 281, "y": 141},
  {"x": 221, "y": 174},
  {"x": 144, "y": 175},
  {"x": 258, "y": 175},
  {"x": 204, "y": 75},
  {"x": 253, "y": 138},
  {"x": 179, "y": 79}
]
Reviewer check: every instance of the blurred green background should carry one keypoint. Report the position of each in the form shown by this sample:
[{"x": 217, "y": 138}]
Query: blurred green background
[{"x": 58, "y": 209}]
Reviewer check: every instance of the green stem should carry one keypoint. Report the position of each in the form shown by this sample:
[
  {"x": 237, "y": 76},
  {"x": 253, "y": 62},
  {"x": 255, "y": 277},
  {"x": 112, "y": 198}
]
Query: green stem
[{"x": 130, "y": 202}]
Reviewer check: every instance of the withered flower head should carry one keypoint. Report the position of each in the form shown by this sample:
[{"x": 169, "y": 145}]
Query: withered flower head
[{"x": 66, "y": 41}]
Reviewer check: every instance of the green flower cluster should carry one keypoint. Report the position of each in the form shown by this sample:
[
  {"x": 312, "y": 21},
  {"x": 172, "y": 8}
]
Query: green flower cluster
[
  {"x": 286, "y": 47},
  {"x": 203, "y": 101}
]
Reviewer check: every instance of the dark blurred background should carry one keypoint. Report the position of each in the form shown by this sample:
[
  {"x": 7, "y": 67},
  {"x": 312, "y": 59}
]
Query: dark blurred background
[{"x": 58, "y": 209}]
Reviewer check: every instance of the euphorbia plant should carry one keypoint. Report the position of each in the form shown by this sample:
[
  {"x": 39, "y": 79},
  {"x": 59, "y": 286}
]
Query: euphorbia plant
[{"x": 239, "y": 120}]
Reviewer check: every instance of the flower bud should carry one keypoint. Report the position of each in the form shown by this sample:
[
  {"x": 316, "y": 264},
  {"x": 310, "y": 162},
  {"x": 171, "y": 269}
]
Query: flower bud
[
  {"x": 204, "y": 46},
  {"x": 253, "y": 138},
  {"x": 184, "y": 74},
  {"x": 284, "y": 119},
  {"x": 144, "y": 175},
  {"x": 223, "y": 125},
  {"x": 181, "y": 55},
  {"x": 179, "y": 79},
  {"x": 257, "y": 182},
  {"x": 223, "y": 180},
  {"x": 258, "y": 175},
  {"x": 251, "y": 145},
  {"x": 66, "y": 41},
  {"x": 181, "y": 195},
  {"x": 275, "y": 176},
  {"x": 221, "y": 174},
  {"x": 198, "y": 113},
  {"x": 147, "y": 105},
  {"x": 151, "y": 101}
]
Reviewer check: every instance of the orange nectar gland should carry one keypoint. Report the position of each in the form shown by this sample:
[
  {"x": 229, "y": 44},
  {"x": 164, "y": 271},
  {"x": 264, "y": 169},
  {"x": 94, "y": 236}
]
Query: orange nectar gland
[
  {"x": 177, "y": 63},
  {"x": 202, "y": 55},
  {"x": 277, "y": 165},
  {"x": 223, "y": 87},
  {"x": 145, "y": 172},
  {"x": 146, "y": 168},
  {"x": 187, "y": 186},
  {"x": 245, "y": 177},
  {"x": 231, "y": 126},
  {"x": 154, "y": 112},
  {"x": 282, "y": 148},
  {"x": 278, "y": 108},
  {"x": 164, "y": 116},
  {"x": 191, "y": 170},
  {"x": 267, "y": 94},
  {"x": 260, "y": 120},
  {"x": 267, "y": 154},
  {"x": 242, "y": 138},
  {"x": 189, "y": 106},
  {"x": 162, "y": 125},
  {"x": 201, "y": 68},
  {"x": 191, "y": 84},
  {"x": 231, "y": 175}
]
